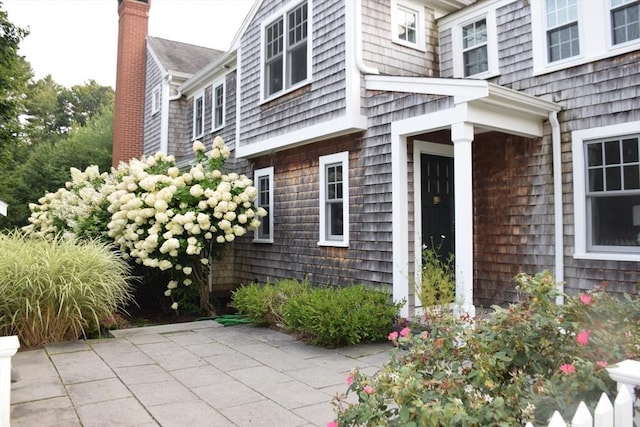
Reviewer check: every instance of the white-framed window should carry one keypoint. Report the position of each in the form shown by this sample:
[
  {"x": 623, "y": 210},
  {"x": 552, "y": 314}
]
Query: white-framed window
[
  {"x": 263, "y": 180},
  {"x": 218, "y": 103},
  {"x": 474, "y": 43},
  {"x": 606, "y": 165},
  {"x": 407, "y": 24},
  {"x": 286, "y": 50},
  {"x": 562, "y": 34},
  {"x": 198, "y": 115},
  {"x": 155, "y": 99},
  {"x": 625, "y": 21},
  {"x": 334, "y": 200},
  {"x": 566, "y": 33}
]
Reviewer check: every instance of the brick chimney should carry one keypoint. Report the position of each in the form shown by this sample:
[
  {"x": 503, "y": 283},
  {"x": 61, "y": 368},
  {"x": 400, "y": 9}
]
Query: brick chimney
[{"x": 130, "y": 78}]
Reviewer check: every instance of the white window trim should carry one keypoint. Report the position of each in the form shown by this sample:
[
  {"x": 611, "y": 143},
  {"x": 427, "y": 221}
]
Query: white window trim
[
  {"x": 342, "y": 158},
  {"x": 214, "y": 86},
  {"x": 156, "y": 97},
  {"x": 578, "y": 139},
  {"x": 493, "y": 66},
  {"x": 420, "y": 30},
  {"x": 594, "y": 28},
  {"x": 256, "y": 176},
  {"x": 195, "y": 98},
  {"x": 282, "y": 13}
]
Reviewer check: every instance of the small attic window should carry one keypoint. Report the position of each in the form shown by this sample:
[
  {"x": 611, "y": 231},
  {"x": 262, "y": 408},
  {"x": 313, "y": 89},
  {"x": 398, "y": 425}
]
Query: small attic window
[{"x": 155, "y": 100}]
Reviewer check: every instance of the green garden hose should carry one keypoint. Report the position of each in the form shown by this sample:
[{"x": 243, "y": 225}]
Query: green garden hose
[{"x": 228, "y": 319}]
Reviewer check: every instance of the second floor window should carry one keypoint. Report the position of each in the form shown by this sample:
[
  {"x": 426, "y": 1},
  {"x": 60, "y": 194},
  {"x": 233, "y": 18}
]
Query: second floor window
[
  {"x": 198, "y": 116},
  {"x": 625, "y": 20},
  {"x": 474, "y": 48},
  {"x": 407, "y": 21},
  {"x": 218, "y": 106},
  {"x": 563, "y": 38},
  {"x": 285, "y": 51}
]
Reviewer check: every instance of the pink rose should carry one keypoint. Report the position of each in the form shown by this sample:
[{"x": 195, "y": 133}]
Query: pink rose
[
  {"x": 602, "y": 363},
  {"x": 393, "y": 336},
  {"x": 369, "y": 390},
  {"x": 567, "y": 368},
  {"x": 332, "y": 424},
  {"x": 585, "y": 299},
  {"x": 583, "y": 337},
  {"x": 349, "y": 380},
  {"x": 404, "y": 332}
]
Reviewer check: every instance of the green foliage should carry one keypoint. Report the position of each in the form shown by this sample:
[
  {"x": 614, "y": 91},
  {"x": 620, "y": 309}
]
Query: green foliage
[
  {"x": 325, "y": 316},
  {"x": 437, "y": 285},
  {"x": 58, "y": 290},
  {"x": 516, "y": 365}
]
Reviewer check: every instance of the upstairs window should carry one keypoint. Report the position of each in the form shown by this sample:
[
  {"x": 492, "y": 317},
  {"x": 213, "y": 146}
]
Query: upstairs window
[
  {"x": 563, "y": 38},
  {"x": 155, "y": 100},
  {"x": 198, "y": 115},
  {"x": 625, "y": 20},
  {"x": 407, "y": 21},
  {"x": 474, "y": 48},
  {"x": 286, "y": 51},
  {"x": 607, "y": 192},
  {"x": 263, "y": 179},
  {"x": 334, "y": 199},
  {"x": 218, "y": 106}
]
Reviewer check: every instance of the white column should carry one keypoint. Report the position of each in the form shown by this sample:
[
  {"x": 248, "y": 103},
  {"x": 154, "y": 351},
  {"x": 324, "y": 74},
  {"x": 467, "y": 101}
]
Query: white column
[
  {"x": 462, "y": 137},
  {"x": 8, "y": 347}
]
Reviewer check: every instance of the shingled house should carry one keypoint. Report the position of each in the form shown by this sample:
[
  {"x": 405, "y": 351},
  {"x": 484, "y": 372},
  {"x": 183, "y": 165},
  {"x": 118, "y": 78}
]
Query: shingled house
[{"x": 506, "y": 131}]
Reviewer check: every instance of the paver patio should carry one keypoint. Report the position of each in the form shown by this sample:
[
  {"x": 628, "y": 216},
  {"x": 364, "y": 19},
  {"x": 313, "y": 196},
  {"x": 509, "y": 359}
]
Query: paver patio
[{"x": 187, "y": 374}]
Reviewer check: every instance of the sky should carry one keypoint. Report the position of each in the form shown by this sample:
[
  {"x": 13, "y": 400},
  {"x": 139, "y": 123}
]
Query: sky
[{"x": 77, "y": 40}]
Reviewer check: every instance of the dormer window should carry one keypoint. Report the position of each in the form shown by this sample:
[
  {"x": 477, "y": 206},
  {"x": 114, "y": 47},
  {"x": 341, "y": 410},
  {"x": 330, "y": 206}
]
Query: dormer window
[
  {"x": 474, "y": 48},
  {"x": 625, "y": 20},
  {"x": 286, "y": 50},
  {"x": 407, "y": 22},
  {"x": 563, "y": 38}
]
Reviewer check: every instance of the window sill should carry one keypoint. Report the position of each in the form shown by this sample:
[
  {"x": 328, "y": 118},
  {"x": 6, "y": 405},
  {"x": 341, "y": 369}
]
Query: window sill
[
  {"x": 606, "y": 256},
  {"x": 333, "y": 243},
  {"x": 285, "y": 95},
  {"x": 268, "y": 241},
  {"x": 219, "y": 128}
]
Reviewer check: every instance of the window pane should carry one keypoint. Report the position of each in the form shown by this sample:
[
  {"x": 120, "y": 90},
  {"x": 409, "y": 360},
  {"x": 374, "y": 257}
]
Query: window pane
[
  {"x": 298, "y": 64},
  {"x": 563, "y": 42},
  {"x": 613, "y": 178},
  {"x": 612, "y": 152},
  {"x": 596, "y": 183},
  {"x": 475, "y": 61},
  {"x": 474, "y": 34},
  {"x": 274, "y": 76},
  {"x": 335, "y": 218},
  {"x": 632, "y": 177},
  {"x": 264, "y": 193},
  {"x": 594, "y": 154},
  {"x": 630, "y": 150},
  {"x": 612, "y": 222},
  {"x": 407, "y": 25}
]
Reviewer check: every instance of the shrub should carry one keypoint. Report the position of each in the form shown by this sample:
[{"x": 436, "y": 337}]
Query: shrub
[
  {"x": 517, "y": 365},
  {"x": 326, "y": 316},
  {"x": 437, "y": 284},
  {"x": 56, "y": 290}
]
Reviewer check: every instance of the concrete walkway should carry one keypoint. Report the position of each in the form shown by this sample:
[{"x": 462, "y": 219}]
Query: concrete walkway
[{"x": 187, "y": 374}]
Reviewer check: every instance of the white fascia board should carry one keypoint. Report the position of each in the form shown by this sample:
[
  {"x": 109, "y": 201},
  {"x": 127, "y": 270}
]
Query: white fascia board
[
  {"x": 462, "y": 10},
  {"x": 235, "y": 42},
  {"x": 332, "y": 128},
  {"x": 462, "y": 90},
  {"x": 502, "y": 119},
  {"x": 520, "y": 101}
]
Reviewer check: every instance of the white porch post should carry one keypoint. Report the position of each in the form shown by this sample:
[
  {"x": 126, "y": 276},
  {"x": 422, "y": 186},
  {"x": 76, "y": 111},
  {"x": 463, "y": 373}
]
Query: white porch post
[
  {"x": 462, "y": 137},
  {"x": 8, "y": 347}
]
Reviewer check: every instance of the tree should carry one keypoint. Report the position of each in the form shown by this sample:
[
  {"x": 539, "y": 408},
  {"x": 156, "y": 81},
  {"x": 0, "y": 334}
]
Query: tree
[{"x": 48, "y": 165}]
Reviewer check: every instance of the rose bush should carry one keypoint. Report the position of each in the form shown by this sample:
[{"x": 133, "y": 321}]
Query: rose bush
[
  {"x": 158, "y": 216},
  {"x": 517, "y": 365}
]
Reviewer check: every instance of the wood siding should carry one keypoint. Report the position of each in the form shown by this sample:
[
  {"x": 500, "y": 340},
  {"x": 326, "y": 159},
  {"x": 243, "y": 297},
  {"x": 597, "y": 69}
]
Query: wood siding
[
  {"x": 319, "y": 101},
  {"x": 379, "y": 51},
  {"x": 152, "y": 122}
]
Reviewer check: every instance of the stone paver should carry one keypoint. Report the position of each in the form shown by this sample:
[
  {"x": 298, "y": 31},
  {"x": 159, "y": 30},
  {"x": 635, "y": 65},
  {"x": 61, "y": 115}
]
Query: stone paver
[{"x": 188, "y": 374}]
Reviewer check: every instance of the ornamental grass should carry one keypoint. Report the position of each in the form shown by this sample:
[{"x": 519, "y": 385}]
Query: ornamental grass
[{"x": 58, "y": 290}]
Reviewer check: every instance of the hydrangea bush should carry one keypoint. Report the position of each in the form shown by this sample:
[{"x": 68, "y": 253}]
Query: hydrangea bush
[
  {"x": 158, "y": 216},
  {"x": 515, "y": 366}
]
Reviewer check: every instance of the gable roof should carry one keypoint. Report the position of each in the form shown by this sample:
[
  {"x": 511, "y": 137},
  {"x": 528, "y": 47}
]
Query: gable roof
[{"x": 181, "y": 57}]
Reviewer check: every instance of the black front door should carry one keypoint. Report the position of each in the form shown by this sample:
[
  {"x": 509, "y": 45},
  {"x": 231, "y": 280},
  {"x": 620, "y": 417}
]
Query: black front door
[{"x": 437, "y": 203}]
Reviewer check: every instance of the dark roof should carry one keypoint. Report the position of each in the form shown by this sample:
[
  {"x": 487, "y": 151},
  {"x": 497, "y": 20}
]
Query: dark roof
[{"x": 182, "y": 57}]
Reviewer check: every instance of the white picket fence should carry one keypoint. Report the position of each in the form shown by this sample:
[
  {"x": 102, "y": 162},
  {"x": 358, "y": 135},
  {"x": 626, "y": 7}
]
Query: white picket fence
[{"x": 606, "y": 414}]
